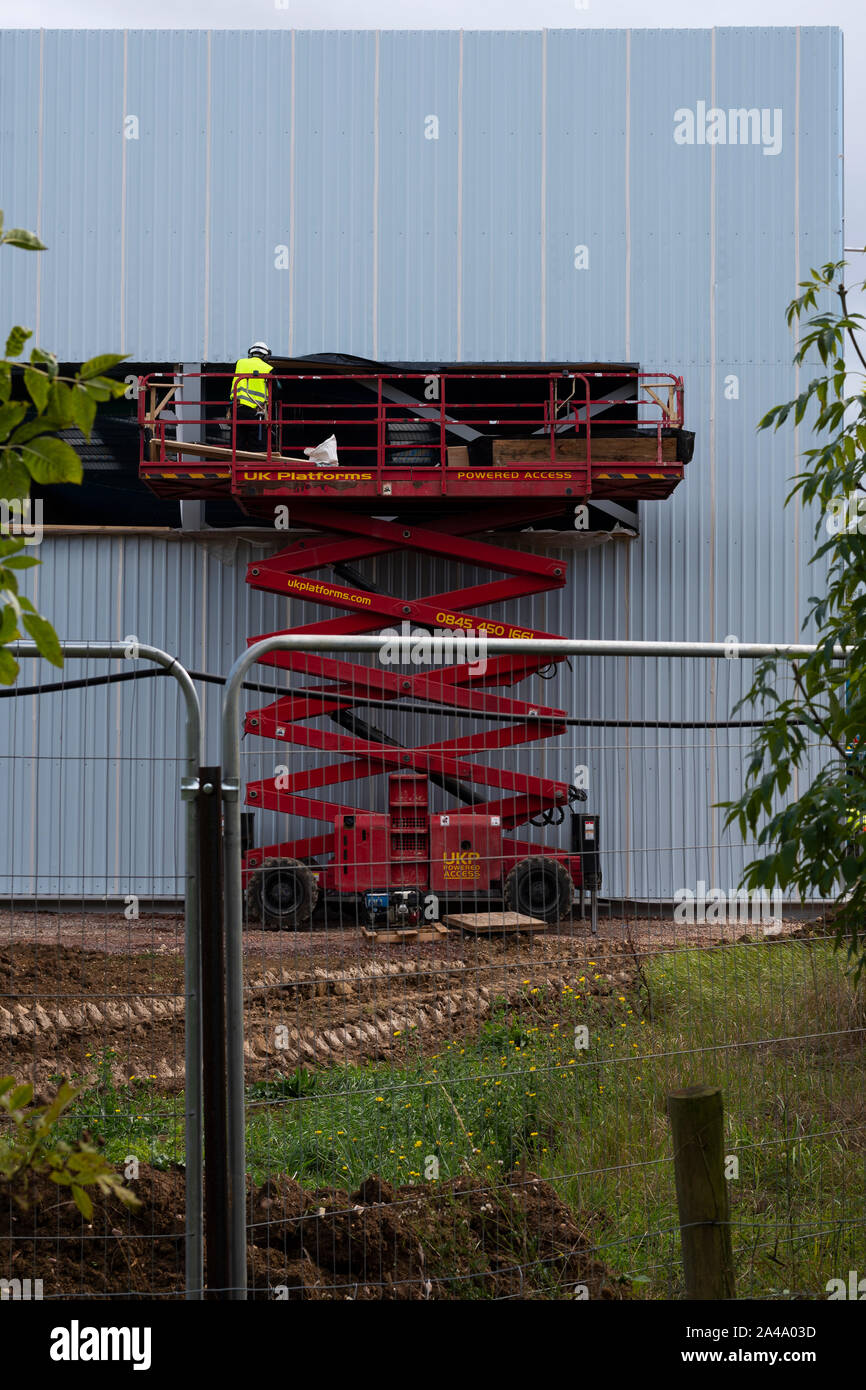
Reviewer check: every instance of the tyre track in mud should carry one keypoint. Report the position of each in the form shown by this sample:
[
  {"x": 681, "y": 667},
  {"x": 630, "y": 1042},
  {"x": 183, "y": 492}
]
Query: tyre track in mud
[{"x": 293, "y": 1018}]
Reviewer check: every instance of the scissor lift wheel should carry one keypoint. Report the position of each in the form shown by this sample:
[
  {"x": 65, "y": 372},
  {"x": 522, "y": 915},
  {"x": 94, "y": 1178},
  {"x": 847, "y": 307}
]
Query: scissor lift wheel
[
  {"x": 282, "y": 895},
  {"x": 539, "y": 887}
]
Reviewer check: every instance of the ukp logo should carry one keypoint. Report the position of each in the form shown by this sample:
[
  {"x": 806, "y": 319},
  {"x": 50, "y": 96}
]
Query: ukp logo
[{"x": 740, "y": 125}]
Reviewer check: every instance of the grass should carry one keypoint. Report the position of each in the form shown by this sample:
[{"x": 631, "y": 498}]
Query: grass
[
  {"x": 780, "y": 1028},
  {"x": 777, "y": 1025}
]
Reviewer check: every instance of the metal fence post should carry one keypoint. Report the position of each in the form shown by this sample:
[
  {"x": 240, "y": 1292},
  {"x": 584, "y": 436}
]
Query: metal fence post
[
  {"x": 109, "y": 651},
  {"x": 214, "y": 1032}
]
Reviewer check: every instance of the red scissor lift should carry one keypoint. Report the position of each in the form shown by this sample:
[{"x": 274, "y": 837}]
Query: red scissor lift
[{"x": 449, "y": 455}]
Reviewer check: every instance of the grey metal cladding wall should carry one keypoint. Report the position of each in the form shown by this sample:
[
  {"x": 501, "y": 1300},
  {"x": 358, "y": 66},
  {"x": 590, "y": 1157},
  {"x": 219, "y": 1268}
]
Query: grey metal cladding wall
[
  {"x": 20, "y": 175},
  {"x": 412, "y": 195},
  {"x": 92, "y": 776},
  {"x": 461, "y": 246}
]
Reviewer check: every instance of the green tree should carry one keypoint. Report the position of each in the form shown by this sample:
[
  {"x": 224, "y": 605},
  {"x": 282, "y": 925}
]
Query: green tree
[
  {"x": 815, "y": 844},
  {"x": 31, "y": 417}
]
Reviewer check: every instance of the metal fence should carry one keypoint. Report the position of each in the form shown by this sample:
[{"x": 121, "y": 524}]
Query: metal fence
[
  {"x": 403, "y": 1097},
  {"x": 480, "y": 1112},
  {"x": 99, "y": 970}
]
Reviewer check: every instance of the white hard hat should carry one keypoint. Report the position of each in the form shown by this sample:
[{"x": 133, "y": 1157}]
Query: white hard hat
[{"x": 259, "y": 350}]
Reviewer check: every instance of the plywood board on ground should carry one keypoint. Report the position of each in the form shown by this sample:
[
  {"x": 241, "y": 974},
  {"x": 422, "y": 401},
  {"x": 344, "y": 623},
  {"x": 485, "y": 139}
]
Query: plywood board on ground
[
  {"x": 482, "y": 923},
  {"x": 434, "y": 932}
]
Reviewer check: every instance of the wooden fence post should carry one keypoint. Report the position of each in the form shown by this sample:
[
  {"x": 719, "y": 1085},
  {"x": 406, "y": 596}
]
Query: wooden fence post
[{"x": 702, "y": 1191}]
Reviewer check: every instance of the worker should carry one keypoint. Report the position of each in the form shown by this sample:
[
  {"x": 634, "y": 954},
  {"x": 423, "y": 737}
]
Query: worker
[{"x": 250, "y": 398}]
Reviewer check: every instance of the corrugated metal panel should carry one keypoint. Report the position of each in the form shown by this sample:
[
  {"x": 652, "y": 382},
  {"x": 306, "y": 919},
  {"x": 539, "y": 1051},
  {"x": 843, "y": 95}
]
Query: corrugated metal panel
[
  {"x": 82, "y": 154},
  {"x": 461, "y": 245},
  {"x": 21, "y": 115},
  {"x": 413, "y": 195},
  {"x": 98, "y": 770}
]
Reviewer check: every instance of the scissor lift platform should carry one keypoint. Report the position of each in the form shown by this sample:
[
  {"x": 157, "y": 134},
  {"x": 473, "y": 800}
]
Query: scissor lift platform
[
  {"x": 415, "y": 438},
  {"x": 432, "y": 461}
]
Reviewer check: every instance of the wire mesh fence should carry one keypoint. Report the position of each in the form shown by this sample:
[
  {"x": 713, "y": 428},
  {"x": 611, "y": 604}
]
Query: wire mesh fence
[
  {"x": 454, "y": 1086},
  {"x": 98, "y": 1115},
  {"x": 473, "y": 970}
]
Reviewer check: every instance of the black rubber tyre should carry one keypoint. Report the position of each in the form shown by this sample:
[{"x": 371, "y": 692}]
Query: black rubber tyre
[
  {"x": 282, "y": 895},
  {"x": 411, "y": 434},
  {"x": 539, "y": 887}
]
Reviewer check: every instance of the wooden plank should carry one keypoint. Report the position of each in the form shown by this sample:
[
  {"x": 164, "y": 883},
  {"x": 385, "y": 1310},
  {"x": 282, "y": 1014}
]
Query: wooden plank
[
  {"x": 219, "y": 451},
  {"x": 458, "y": 456},
  {"x": 155, "y": 409},
  {"x": 481, "y": 922},
  {"x": 434, "y": 932},
  {"x": 669, "y": 410},
  {"x": 629, "y": 448}
]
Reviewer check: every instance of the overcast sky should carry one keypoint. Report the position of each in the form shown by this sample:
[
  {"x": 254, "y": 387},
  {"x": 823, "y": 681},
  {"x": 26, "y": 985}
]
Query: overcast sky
[{"x": 849, "y": 15}]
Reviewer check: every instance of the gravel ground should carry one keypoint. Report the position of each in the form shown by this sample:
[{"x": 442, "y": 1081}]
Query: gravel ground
[{"x": 93, "y": 930}]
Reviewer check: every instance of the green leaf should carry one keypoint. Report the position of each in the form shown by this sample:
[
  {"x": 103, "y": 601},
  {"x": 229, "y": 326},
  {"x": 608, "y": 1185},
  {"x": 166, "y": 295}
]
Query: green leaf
[
  {"x": 32, "y": 429},
  {"x": 128, "y": 1198},
  {"x": 62, "y": 1100},
  {"x": 9, "y": 667},
  {"x": 38, "y": 387},
  {"x": 83, "y": 409},
  {"x": 60, "y": 412},
  {"x": 103, "y": 388},
  {"x": 8, "y": 582},
  {"x": 14, "y": 478},
  {"x": 16, "y": 340},
  {"x": 44, "y": 636},
  {"x": 52, "y": 461},
  {"x": 21, "y": 562},
  {"x": 11, "y": 416},
  {"x": 95, "y": 366},
  {"x": 27, "y": 241},
  {"x": 8, "y": 624},
  {"x": 95, "y": 391},
  {"x": 22, "y": 1095},
  {"x": 82, "y": 1201},
  {"x": 46, "y": 359},
  {"x": 851, "y": 868}
]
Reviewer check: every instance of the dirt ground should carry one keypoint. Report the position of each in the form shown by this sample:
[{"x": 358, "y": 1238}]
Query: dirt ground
[
  {"x": 85, "y": 991},
  {"x": 450, "y": 1240},
  {"x": 80, "y": 989}
]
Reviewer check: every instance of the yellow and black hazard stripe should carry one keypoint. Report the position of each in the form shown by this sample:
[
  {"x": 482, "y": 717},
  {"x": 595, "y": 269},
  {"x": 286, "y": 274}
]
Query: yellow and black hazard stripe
[
  {"x": 633, "y": 477},
  {"x": 184, "y": 477}
]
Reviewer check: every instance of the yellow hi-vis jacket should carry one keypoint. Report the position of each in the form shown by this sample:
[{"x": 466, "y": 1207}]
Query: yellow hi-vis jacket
[{"x": 248, "y": 391}]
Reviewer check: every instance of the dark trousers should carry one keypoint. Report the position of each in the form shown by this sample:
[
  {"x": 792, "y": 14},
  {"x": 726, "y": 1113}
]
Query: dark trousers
[{"x": 250, "y": 430}]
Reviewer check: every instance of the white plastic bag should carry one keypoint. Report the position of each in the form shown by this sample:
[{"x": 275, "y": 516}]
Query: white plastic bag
[{"x": 324, "y": 455}]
